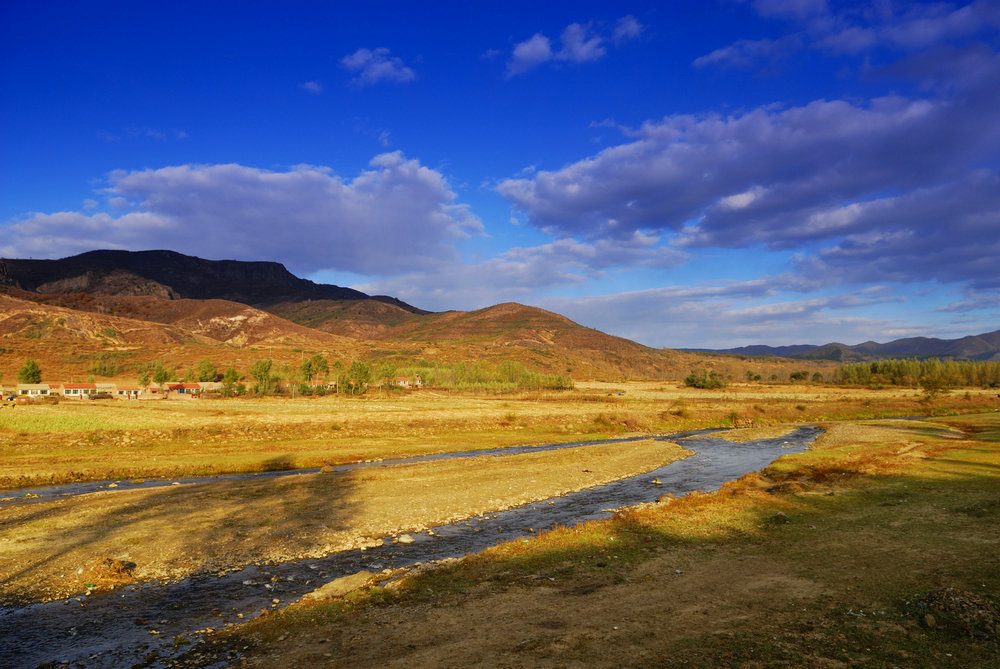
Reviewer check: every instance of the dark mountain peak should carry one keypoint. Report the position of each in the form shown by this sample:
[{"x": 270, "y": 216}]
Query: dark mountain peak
[{"x": 174, "y": 275}]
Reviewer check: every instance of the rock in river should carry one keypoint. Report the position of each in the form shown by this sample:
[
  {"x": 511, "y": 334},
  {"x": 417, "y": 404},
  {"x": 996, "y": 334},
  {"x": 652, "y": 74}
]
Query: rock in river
[{"x": 340, "y": 587}]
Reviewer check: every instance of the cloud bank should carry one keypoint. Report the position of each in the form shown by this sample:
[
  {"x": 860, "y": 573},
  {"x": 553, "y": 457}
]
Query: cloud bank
[
  {"x": 874, "y": 183},
  {"x": 395, "y": 217}
]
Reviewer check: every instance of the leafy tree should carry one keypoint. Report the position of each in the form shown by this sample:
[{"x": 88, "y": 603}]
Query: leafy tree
[
  {"x": 261, "y": 373},
  {"x": 932, "y": 387},
  {"x": 144, "y": 378},
  {"x": 30, "y": 372},
  {"x": 206, "y": 370},
  {"x": 230, "y": 383},
  {"x": 313, "y": 367},
  {"x": 701, "y": 378},
  {"x": 160, "y": 374},
  {"x": 354, "y": 380}
]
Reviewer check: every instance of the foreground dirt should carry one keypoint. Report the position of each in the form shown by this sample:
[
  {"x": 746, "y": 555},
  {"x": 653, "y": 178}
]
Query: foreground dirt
[
  {"x": 54, "y": 549},
  {"x": 879, "y": 548}
]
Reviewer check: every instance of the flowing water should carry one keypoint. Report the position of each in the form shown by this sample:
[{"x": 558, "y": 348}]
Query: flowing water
[{"x": 140, "y": 623}]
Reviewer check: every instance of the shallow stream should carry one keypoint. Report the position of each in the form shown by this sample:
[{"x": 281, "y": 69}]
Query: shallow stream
[{"x": 139, "y": 624}]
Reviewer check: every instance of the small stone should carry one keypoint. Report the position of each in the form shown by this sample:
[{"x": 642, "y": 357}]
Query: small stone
[
  {"x": 405, "y": 539},
  {"x": 341, "y": 586},
  {"x": 928, "y": 621}
]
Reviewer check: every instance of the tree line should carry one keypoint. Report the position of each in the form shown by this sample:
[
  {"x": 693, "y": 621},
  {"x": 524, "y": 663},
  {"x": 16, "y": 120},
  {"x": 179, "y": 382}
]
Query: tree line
[{"x": 316, "y": 375}]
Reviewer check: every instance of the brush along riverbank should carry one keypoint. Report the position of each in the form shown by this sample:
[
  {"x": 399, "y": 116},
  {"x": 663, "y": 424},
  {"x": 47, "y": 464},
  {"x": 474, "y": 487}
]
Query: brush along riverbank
[
  {"x": 45, "y": 444},
  {"x": 878, "y": 547}
]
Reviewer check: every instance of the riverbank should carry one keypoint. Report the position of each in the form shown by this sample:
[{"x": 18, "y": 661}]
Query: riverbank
[
  {"x": 878, "y": 547},
  {"x": 106, "y": 539}
]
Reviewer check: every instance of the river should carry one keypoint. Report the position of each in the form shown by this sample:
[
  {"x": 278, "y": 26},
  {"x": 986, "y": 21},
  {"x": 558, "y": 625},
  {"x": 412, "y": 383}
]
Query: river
[{"x": 139, "y": 623}]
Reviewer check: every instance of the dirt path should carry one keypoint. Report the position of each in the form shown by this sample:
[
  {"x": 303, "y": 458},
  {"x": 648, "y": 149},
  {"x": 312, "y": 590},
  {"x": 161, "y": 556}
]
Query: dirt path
[{"x": 54, "y": 549}]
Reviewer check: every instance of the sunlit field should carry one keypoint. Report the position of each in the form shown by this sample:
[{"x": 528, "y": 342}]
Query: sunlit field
[{"x": 80, "y": 440}]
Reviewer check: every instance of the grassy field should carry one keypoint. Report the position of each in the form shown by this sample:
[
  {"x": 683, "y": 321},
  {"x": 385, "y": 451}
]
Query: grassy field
[
  {"x": 74, "y": 441},
  {"x": 877, "y": 548},
  {"x": 832, "y": 557}
]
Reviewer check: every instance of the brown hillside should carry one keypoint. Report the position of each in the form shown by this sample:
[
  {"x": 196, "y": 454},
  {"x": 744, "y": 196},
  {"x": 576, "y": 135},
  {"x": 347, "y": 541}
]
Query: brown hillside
[
  {"x": 219, "y": 320},
  {"x": 358, "y": 319},
  {"x": 67, "y": 342}
]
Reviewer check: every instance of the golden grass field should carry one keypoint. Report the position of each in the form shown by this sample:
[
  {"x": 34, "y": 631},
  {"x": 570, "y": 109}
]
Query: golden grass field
[
  {"x": 876, "y": 548},
  {"x": 879, "y": 513},
  {"x": 69, "y": 441}
]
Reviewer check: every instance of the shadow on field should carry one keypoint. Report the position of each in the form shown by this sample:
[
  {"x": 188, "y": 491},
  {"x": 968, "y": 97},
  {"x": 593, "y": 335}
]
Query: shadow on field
[
  {"x": 832, "y": 561},
  {"x": 110, "y": 537}
]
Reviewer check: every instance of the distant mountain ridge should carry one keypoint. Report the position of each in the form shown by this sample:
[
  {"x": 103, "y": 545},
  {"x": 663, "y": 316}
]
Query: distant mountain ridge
[
  {"x": 174, "y": 275},
  {"x": 983, "y": 347}
]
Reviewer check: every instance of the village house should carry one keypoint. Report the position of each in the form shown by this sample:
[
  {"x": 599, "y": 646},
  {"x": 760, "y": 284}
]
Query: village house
[
  {"x": 183, "y": 390},
  {"x": 76, "y": 391},
  {"x": 33, "y": 389}
]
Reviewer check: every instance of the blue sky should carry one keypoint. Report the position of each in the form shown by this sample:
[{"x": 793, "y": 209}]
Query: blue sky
[{"x": 703, "y": 174}]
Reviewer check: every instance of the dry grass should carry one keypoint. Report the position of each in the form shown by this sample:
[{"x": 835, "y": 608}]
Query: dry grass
[
  {"x": 216, "y": 526},
  {"x": 875, "y": 548},
  {"x": 69, "y": 441}
]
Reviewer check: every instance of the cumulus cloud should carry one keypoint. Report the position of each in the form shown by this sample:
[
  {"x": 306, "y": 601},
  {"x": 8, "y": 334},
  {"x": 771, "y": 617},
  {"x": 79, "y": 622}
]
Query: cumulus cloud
[
  {"x": 529, "y": 54},
  {"x": 521, "y": 272},
  {"x": 627, "y": 28},
  {"x": 397, "y": 216},
  {"x": 905, "y": 27},
  {"x": 946, "y": 232},
  {"x": 372, "y": 66},
  {"x": 821, "y": 173},
  {"x": 579, "y": 43}
]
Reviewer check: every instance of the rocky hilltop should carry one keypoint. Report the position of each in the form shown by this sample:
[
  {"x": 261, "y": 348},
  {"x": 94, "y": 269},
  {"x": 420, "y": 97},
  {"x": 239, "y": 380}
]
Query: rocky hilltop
[{"x": 173, "y": 275}]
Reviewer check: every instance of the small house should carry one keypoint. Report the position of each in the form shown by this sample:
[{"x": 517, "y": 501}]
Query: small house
[
  {"x": 33, "y": 389},
  {"x": 184, "y": 390},
  {"x": 76, "y": 391}
]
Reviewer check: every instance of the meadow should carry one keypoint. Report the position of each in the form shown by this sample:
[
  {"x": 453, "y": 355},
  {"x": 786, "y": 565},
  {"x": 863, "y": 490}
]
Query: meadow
[
  {"x": 830, "y": 557},
  {"x": 70, "y": 441},
  {"x": 876, "y": 548}
]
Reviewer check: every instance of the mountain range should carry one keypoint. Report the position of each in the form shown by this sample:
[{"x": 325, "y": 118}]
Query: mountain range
[
  {"x": 161, "y": 305},
  {"x": 984, "y": 347}
]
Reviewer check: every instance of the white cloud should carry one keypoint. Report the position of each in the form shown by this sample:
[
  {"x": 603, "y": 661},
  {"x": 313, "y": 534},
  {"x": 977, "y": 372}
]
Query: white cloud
[
  {"x": 579, "y": 43},
  {"x": 627, "y": 28},
  {"x": 373, "y": 66},
  {"x": 314, "y": 87},
  {"x": 746, "y": 53},
  {"x": 522, "y": 272},
  {"x": 529, "y": 54},
  {"x": 395, "y": 217}
]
